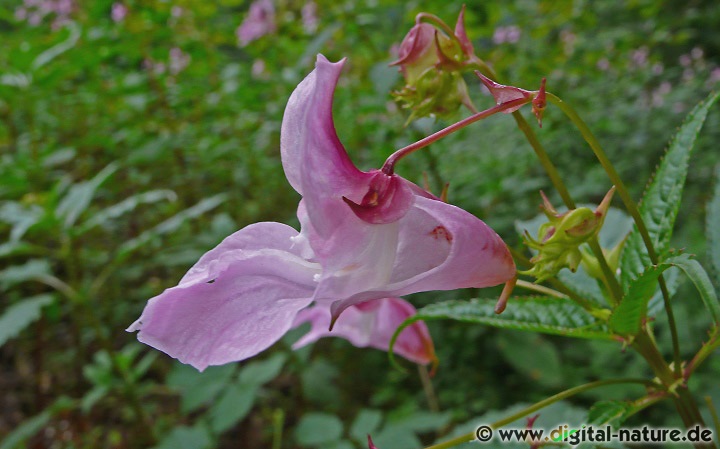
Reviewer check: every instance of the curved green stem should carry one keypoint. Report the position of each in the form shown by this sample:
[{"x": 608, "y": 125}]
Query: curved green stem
[
  {"x": 632, "y": 210},
  {"x": 542, "y": 404}
]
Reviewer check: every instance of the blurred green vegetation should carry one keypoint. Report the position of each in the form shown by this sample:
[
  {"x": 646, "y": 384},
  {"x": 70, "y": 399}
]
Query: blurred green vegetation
[{"x": 135, "y": 135}]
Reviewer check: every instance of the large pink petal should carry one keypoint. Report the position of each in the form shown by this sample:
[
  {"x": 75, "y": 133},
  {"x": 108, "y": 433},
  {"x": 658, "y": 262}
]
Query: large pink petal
[
  {"x": 373, "y": 324},
  {"x": 234, "y": 303},
  {"x": 315, "y": 162}
]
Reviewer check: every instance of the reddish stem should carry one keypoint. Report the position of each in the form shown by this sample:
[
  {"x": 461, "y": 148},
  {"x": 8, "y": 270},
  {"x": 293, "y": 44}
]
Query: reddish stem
[{"x": 389, "y": 166}]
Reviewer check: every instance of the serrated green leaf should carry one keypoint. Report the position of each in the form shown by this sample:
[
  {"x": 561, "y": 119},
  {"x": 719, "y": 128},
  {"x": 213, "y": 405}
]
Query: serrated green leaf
[
  {"x": 548, "y": 315},
  {"x": 21, "y": 314},
  {"x": 78, "y": 198},
  {"x": 661, "y": 201},
  {"x": 700, "y": 278},
  {"x": 712, "y": 228},
  {"x": 627, "y": 317},
  {"x": 608, "y": 412}
]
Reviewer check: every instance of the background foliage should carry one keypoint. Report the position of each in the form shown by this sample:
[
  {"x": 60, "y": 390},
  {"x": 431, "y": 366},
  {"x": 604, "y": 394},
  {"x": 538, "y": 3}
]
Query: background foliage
[{"x": 130, "y": 146}]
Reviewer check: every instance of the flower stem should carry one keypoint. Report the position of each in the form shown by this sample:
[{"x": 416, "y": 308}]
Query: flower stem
[
  {"x": 389, "y": 166},
  {"x": 540, "y": 289},
  {"x": 542, "y": 404},
  {"x": 632, "y": 209},
  {"x": 432, "y": 18}
]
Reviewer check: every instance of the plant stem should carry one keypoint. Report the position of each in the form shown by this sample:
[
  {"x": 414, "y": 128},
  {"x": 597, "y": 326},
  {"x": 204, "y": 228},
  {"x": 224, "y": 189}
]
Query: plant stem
[
  {"x": 540, "y": 289},
  {"x": 632, "y": 210},
  {"x": 542, "y": 404},
  {"x": 389, "y": 166},
  {"x": 428, "y": 388},
  {"x": 684, "y": 402}
]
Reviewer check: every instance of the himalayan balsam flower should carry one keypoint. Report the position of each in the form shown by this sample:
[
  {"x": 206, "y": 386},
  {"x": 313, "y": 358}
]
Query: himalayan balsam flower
[{"x": 366, "y": 238}]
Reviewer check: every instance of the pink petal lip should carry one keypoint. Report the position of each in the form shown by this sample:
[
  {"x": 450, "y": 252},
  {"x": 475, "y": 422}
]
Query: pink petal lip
[
  {"x": 372, "y": 324},
  {"x": 234, "y": 303}
]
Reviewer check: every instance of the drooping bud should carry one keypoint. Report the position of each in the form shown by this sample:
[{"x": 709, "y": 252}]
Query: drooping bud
[
  {"x": 431, "y": 59},
  {"x": 503, "y": 94},
  {"x": 559, "y": 240}
]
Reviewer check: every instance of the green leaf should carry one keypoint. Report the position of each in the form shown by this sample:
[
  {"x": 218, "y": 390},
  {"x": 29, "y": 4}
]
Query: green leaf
[
  {"x": 660, "y": 204},
  {"x": 183, "y": 437},
  {"x": 258, "y": 373},
  {"x": 80, "y": 195},
  {"x": 17, "y": 274},
  {"x": 28, "y": 428},
  {"x": 548, "y": 315},
  {"x": 366, "y": 423},
  {"x": 533, "y": 356},
  {"x": 196, "y": 388},
  {"x": 700, "y": 278},
  {"x": 316, "y": 429},
  {"x": 127, "y": 205},
  {"x": 627, "y": 317},
  {"x": 712, "y": 228},
  {"x": 21, "y": 314},
  {"x": 60, "y": 48},
  {"x": 234, "y": 404},
  {"x": 608, "y": 412},
  {"x": 172, "y": 223}
]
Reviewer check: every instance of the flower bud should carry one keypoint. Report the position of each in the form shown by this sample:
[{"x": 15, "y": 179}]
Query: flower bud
[{"x": 558, "y": 241}]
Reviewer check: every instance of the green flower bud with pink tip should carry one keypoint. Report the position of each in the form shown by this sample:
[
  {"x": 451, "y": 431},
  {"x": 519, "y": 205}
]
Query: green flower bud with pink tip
[{"x": 559, "y": 240}]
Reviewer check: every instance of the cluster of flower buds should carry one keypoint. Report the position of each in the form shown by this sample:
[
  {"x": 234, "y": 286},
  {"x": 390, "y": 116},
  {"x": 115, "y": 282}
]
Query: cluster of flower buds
[
  {"x": 559, "y": 240},
  {"x": 432, "y": 58}
]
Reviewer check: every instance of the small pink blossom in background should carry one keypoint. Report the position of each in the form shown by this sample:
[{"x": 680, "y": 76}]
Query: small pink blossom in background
[
  {"x": 685, "y": 60},
  {"x": 178, "y": 60},
  {"x": 509, "y": 34},
  {"x": 35, "y": 11},
  {"x": 154, "y": 67},
  {"x": 176, "y": 11},
  {"x": 258, "y": 68},
  {"x": 697, "y": 53},
  {"x": 658, "y": 68},
  {"x": 118, "y": 12},
  {"x": 309, "y": 17},
  {"x": 603, "y": 64},
  {"x": 568, "y": 39},
  {"x": 640, "y": 56},
  {"x": 259, "y": 22},
  {"x": 715, "y": 75},
  {"x": 658, "y": 95}
]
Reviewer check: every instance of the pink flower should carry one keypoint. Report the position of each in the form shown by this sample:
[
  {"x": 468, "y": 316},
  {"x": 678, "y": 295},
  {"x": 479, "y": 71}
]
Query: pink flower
[
  {"x": 118, "y": 12},
  {"x": 259, "y": 22},
  {"x": 364, "y": 236}
]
